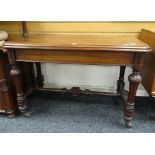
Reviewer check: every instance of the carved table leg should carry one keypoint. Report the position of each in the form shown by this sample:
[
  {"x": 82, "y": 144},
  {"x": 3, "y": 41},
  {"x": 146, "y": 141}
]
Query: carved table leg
[
  {"x": 16, "y": 75},
  {"x": 39, "y": 78},
  {"x": 134, "y": 80}
]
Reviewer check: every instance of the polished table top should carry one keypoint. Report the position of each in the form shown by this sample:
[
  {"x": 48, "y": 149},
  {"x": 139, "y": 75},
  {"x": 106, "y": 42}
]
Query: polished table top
[{"x": 78, "y": 42}]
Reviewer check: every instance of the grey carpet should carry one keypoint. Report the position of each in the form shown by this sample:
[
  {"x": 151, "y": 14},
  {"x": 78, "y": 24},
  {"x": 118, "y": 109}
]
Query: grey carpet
[{"x": 53, "y": 112}]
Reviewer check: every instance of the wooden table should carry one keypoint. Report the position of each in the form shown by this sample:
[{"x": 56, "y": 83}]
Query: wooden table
[{"x": 81, "y": 49}]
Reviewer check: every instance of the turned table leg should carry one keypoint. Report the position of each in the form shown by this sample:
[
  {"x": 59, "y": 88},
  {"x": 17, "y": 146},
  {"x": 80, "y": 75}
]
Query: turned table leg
[
  {"x": 134, "y": 80},
  {"x": 39, "y": 78},
  {"x": 16, "y": 76}
]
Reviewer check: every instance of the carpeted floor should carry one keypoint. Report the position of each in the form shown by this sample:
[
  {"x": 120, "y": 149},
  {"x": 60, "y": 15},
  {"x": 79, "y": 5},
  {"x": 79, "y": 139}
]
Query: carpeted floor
[{"x": 52, "y": 112}]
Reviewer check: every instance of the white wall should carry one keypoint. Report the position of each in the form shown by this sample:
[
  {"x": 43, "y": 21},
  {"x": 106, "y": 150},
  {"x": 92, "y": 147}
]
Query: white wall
[{"x": 101, "y": 78}]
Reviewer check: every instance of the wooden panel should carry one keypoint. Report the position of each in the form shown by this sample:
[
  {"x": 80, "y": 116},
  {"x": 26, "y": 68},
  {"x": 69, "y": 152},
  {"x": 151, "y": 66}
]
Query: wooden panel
[
  {"x": 79, "y": 27},
  {"x": 89, "y": 57},
  {"x": 148, "y": 72},
  {"x": 148, "y": 37}
]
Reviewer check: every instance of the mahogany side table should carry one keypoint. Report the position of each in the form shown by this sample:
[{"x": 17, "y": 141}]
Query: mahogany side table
[{"x": 81, "y": 49}]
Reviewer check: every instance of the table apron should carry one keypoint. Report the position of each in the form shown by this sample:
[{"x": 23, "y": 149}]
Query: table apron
[{"x": 80, "y": 57}]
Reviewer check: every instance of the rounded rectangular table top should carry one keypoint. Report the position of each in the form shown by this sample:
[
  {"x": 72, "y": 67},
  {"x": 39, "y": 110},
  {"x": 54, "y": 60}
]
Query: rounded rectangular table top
[{"x": 95, "y": 42}]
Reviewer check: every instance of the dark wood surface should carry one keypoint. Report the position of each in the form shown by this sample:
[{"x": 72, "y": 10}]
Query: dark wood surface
[
  {"x": 83, "y": 49},
  {"x": 148, "y": 71}
]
